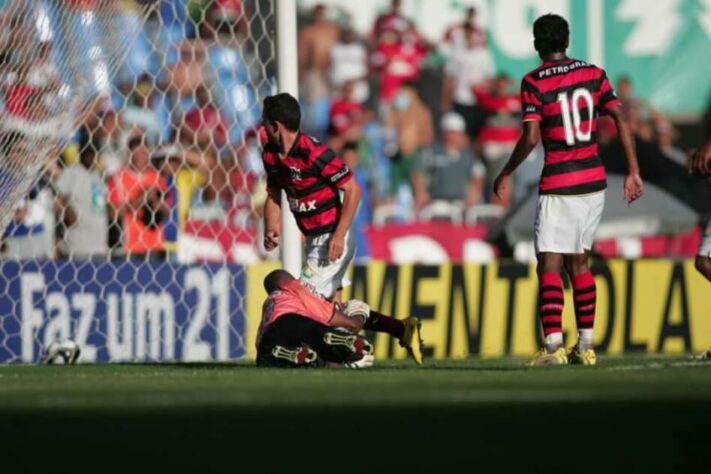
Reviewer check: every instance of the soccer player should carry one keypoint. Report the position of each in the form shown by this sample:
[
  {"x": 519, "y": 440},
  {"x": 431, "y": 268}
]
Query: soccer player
[
  {"x": 561, "y": 101},
  {"x": 300, "y": 329},
  {"x": 700, "y": 164},
  {"x": 314, "y": 179}
]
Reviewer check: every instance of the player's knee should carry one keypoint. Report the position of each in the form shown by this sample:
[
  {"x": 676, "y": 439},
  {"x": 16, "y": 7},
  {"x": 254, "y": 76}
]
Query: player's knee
[
  {"x": 548, "y": 263},
  {"x": 703, "y": 266},
  {"x": 576, "y": 265}
]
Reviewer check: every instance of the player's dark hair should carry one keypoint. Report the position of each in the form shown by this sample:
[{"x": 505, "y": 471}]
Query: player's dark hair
[
  {"x": 276, "y": 279},
  {"x": 282, "y": 108},
  {"x": 550, "y": 34}
]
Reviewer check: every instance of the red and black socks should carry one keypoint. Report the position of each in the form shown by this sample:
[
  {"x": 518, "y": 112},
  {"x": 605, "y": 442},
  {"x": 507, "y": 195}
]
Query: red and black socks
[
  {"x": 551, "y": 309},
  {"x": 584, "y": 296}
]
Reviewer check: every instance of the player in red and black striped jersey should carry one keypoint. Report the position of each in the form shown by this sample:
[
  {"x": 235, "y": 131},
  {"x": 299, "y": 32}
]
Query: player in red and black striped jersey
[
  {"x": 324, "y": 198},
  {"x": 561, "y": 102},
  {"x": 321, "y": 192}
]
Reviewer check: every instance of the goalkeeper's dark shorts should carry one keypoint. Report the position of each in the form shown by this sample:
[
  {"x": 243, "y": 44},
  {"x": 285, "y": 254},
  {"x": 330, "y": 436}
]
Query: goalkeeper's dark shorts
[{"x": 293, "y": 331}]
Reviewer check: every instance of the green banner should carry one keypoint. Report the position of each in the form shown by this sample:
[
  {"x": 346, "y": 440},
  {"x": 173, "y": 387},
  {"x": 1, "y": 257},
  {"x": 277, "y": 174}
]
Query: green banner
[{"x": 664, "y": 46}]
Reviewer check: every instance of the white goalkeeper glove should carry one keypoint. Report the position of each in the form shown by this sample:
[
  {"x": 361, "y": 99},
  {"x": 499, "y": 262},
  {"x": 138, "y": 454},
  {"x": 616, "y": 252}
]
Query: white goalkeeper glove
[
  {"x": 363, "y": 363},
  {"x": 357, "y": 308}
]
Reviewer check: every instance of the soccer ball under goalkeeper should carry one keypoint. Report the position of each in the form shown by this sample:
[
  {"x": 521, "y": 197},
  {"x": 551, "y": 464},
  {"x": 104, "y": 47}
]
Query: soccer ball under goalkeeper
[{"x": 64, "y": 352}]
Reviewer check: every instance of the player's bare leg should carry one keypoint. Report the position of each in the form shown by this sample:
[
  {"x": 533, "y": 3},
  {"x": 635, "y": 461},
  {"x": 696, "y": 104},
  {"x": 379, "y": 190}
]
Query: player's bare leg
[
  {"x": 551, "y": 309},
  {"x": 703, "y": 266},
  {"x": 406, "y": 331},
  {"x": 584, "y": 297}
]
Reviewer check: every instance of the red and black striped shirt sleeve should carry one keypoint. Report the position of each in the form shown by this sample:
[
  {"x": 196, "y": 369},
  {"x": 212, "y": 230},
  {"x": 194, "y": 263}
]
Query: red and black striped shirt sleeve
[
  {"x": 332, "y": 169},
  {"x": 608, "y": 98},
  {"x": 531, "y": 101}
]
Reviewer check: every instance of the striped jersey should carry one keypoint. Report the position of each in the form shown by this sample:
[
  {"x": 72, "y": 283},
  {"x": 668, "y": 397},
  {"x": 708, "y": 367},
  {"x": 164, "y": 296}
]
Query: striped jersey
[
  {"x": 311, "y": 174},
  {"x": 566, "y": 97}
]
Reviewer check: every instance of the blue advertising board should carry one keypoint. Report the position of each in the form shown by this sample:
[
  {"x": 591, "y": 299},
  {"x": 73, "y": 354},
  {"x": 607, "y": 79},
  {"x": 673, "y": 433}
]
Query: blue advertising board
[{"x": 122, "y": 311}]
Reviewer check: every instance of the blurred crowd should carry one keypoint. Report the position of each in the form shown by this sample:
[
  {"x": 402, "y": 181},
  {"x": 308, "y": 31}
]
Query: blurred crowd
[{"x": 425, "y": 126}]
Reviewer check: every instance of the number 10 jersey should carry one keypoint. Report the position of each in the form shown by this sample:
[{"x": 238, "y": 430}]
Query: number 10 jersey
[{"x": 567, "y": 97}]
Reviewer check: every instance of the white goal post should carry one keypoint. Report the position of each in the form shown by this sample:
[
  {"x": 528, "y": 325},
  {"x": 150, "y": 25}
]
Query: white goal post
[{"x": 130, "y": 175}]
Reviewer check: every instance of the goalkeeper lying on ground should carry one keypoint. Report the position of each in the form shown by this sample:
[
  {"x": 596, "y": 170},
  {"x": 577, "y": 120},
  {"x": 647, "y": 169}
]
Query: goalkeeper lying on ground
[{"x": 300, "y": 329}]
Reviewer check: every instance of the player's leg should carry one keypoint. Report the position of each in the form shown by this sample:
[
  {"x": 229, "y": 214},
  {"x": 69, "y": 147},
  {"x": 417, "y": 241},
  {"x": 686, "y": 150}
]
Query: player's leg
[
  {"x": 589, "y": 208},
  {"x": 282, "y": 345},
  {"x": 329, "y": 278},
  {"x": 332, "y": 345},
  {"x": 406, "y": 331},
  {"x": 326, "y": 278},
  {"x": 550, "y": 308},
  {"x": 703, "y": 257},
  {"x": 703, "y": 266},
  {"x": 584, "y": 298}
]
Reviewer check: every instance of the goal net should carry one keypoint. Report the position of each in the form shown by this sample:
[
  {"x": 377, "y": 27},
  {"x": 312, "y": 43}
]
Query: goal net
[{"x": 130, "y": 178}]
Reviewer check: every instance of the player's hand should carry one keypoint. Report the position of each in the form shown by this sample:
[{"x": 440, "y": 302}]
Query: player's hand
[
  {"x": 501, "y": 183},
  {"x": 335, "y": 246},
  {"x": 700, "y": 163},
  {"x": 271, "y": 240},
  {"x": 633, "y": 188}
]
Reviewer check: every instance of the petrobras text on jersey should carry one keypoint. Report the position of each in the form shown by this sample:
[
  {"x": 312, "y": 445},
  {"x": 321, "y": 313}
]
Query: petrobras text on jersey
[{"x": 122, "y": 311}]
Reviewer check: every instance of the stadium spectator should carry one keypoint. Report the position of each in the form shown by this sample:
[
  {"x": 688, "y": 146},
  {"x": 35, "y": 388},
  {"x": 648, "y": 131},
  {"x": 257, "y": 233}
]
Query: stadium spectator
[
  {"x": 111, "y": 139},
  {"x": 666, "y": 136},
  {"x": 81, "y": 207},
  {"x": 397, "y": 60},
  {"x": 188, "y": 73},
  {"x": 31, "y": 233},
  {"x": 448, "y": 171},
  {"x": 346, "y": 116},
  {"x": 351, "y": 157},
  {"x": 639, "y": 111},
  {"x": 394, "y": 22},
  {"x": 137, "y": 192},
  {"x": 411, "y": 120},
  {"x": 501, "y": 129},
  {"x": 349, "y": 63},
  {"x": 204, "y": 125},
  {"x": 455, "y": 36},
  {"x": 139, "y": 111},
  {"x": 469, "y": 66},
  {"x": 314, "y": 49}
]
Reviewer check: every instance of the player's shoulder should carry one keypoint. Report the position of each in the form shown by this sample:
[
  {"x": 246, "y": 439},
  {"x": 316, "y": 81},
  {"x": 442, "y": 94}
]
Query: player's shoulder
[
  {"x": 571, "y": 65},
  {"x": 310, "y": 148}
]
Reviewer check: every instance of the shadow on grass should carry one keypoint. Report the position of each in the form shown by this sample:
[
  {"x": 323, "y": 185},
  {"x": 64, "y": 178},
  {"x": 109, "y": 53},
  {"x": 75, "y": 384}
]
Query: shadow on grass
[{"x": 571, "y": 437}]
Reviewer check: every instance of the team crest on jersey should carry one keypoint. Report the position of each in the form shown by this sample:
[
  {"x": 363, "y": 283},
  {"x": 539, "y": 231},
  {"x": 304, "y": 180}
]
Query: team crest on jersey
[{"x": 295, "y": 173}]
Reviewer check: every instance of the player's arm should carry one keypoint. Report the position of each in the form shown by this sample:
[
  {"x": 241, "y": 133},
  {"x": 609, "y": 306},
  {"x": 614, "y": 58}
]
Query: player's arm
[
  {"x": 526, "y": 143},
  {"x": 272, "y": 219},
  {"x": 633, "y": 186},
  {"x": 351, "y": 199}
]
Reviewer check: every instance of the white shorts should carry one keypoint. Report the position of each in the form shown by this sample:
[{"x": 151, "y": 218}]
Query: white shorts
[
  {"x": 324, "y": 277},
  {"x": 705, "y": 247},
  {"x": 567, "y": 224}
]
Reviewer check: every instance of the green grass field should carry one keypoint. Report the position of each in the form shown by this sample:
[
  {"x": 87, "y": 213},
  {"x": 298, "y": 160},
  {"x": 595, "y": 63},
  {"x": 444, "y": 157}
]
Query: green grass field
[{"x": 632, "y": 414}]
